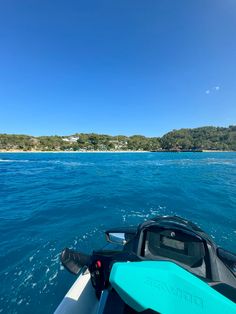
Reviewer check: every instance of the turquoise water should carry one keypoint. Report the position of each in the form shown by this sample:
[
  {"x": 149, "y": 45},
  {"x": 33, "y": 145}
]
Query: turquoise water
[{"x": 49, "y": 201}]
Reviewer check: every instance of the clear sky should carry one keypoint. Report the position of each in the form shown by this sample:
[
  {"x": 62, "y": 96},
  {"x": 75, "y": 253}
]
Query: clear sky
[{"x": 116, "y": 66}]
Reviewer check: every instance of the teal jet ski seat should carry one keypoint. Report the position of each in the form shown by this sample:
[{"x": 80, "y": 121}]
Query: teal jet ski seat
[{"x": 166, "y": 288}]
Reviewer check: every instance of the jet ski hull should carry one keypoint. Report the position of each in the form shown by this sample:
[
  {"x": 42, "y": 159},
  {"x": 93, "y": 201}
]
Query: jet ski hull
[{"x": 81, "y": 297}]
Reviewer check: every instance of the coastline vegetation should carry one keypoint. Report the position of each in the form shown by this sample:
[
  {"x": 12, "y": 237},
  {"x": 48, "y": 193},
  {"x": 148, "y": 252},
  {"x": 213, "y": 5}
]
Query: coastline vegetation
[{"x": 197, "y": 139}]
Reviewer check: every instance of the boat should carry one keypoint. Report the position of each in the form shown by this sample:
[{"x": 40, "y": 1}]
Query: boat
[{"x": 165, "y": 265}]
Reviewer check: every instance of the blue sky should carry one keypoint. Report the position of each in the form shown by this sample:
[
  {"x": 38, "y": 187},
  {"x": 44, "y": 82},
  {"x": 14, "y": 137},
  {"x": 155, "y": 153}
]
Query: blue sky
[{"x": 116, "y": 67}]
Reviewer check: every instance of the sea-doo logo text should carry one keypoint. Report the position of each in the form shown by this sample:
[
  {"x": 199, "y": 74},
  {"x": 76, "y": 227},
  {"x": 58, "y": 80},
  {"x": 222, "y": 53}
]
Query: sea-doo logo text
[{"x": 174, "y": 291}]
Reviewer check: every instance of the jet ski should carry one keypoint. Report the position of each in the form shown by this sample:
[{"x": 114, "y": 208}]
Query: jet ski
[{"x": 166, "y": 265}]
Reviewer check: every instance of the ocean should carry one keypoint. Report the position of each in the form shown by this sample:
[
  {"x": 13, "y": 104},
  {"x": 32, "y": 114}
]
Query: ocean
[{"x": 52, "y": 200}]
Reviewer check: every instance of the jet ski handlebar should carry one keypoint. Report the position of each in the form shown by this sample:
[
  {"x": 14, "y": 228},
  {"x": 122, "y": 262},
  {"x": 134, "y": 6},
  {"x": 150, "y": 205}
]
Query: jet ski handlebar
[
  {"x": 99, "y": 264},
  {"x": 74, "y": 261}
]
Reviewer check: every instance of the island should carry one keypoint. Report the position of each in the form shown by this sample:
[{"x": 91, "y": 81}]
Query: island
[{"x": 207, "y": 138}]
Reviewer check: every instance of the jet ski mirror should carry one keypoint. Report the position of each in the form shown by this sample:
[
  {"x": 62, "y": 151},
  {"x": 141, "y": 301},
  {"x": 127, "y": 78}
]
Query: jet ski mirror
[
  {"x": 116, "y": 237},
  {"x": 120, "y": 235}
]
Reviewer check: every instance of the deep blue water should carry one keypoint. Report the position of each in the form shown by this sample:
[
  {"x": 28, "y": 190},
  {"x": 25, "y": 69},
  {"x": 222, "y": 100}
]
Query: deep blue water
[{"x": 49, "y": 201}]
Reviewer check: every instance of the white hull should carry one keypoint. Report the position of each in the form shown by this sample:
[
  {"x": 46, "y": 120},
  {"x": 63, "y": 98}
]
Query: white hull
[{"x": 80, "y": 298}]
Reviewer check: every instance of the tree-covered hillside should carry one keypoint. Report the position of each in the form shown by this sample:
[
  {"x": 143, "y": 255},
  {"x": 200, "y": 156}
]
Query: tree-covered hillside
[{"x": 204, "y": 138}]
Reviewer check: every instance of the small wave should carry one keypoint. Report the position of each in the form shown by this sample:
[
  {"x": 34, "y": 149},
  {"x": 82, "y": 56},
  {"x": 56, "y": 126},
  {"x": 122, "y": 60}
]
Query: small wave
[
  {"x": 215, "y": 161},
  {"x": 66, "y": 163},
  {"x": 54, "y": 259},
  {"x": 5, "y": 160},
  {"x": 44, "y": 287},
  {"x": 14, "y": 160},
  {"x": 53, "y": 276},
  {"x": 19, "y": 302},
  {"x": 221, "y": 162},
  {"x": 53, "y": 162},
  {"x": 28, "y": 277}
]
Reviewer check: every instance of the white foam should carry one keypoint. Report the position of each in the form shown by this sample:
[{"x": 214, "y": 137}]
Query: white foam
[
  {"x": 13, "y": 160},
  {"x": 67, "y": 163},
  {"x": 53, "y": 276},
  {"x": 19, "y": 302},
  {"x": 29, "y": 277},
  {"x": 54, "y": 259}
]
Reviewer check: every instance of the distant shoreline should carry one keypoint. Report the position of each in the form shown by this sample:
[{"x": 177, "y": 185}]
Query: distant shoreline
[
  {"x": 203, "y": 139},
  {"x": 114, "y": 151},
  {"x": 74, "y": 152}
]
